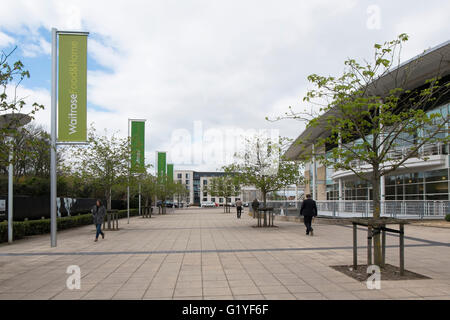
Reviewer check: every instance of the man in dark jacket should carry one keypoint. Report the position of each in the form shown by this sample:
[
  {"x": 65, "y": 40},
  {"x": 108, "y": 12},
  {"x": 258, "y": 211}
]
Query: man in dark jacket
[
  {"x": 255, "y": 206},
  {"x": 308, "y": 211}
]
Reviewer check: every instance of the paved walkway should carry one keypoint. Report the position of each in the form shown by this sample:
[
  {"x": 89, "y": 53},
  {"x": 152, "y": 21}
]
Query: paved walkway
[{"x": 206, "y": 254}]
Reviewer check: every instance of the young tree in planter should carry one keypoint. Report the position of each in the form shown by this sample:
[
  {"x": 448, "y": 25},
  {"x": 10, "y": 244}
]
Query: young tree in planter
[
  {"x": 225, "y": 187},
  {"x": 263, "y": 167},
  {"x": 131, "y": 182},
  {"x": 165, "y": 189},
  {"x": 375, "y": 128},
  {"x": 148, "y": 188},
  {"x": 103, "y": 162},
  {"x": 181, "y": 192}
]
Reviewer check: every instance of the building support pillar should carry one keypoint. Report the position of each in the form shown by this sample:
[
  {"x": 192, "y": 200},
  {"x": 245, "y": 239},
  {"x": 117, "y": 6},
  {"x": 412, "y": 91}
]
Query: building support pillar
[
  {"x": 341, "y": 191},
  {"x": 382, "y": 194},
  {"x": 314, "y": 172}
]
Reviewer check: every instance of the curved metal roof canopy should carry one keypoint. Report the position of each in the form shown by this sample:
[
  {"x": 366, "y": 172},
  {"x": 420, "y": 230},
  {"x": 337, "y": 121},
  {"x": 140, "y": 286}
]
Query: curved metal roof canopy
[{"x": 411, "y": 74}]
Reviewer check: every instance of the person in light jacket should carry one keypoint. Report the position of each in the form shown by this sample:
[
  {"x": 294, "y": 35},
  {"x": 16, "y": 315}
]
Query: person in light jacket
[
  {"x": 99, "y": 212},
  {"x": 239, "y": 208},
  {"x": 308, "y": 211}
]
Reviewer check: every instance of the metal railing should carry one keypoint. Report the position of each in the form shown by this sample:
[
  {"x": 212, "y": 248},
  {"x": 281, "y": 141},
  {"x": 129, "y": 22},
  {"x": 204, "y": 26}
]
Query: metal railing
[
  {"x": 401, "y": 152},
  {"x": 409, "y": 209}
]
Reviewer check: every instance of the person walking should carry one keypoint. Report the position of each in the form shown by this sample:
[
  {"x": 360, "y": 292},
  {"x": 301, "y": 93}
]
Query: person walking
[
  {"x": 239, "y": 208},
  {"x": 308, "y": 210},
  {"x": 255, "y": 206},
  {"x": 99, "y": 212}
]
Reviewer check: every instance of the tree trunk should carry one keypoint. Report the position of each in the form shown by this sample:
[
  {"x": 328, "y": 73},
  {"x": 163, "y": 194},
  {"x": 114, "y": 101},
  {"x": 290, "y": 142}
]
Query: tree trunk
[
  {"x": 264, "y": 194},
  {"x": 109, "y": 199},
  {"x": 265, "y": 206},
  {"x": 376, "y": 215}
]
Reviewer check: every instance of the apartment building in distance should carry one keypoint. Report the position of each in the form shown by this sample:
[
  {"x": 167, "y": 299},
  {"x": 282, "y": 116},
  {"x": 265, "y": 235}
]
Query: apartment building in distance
[{"x": 196, "y": 182}]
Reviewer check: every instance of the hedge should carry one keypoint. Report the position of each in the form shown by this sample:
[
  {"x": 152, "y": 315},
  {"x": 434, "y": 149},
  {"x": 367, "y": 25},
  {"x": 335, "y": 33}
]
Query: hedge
[
  {"x": 34, "y": 227},
  {"x": 447, "y": 217}
]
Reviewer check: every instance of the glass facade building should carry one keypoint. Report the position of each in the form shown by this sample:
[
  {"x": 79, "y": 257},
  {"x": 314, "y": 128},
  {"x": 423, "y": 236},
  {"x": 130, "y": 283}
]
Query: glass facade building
[{"x": 412, "y": 182}]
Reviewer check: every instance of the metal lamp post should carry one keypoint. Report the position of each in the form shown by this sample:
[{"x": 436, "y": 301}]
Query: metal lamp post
[{"x": 12, "y": 121}]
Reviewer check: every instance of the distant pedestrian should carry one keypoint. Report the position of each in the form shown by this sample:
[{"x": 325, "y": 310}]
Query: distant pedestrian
[
  {"x": 99, "y": 212},
  {"x": 308, "y": 211},
  {"x": 255, "y": 206},
  {"x": 239, "y": 208}
]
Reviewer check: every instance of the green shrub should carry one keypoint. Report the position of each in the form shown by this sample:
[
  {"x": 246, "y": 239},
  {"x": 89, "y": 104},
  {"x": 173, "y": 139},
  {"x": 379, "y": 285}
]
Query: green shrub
[
  {"x": 447, "y": 217},
  {"x": 34, "y": 227}
]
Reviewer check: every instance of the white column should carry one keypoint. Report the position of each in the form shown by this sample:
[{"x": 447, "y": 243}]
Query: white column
[
  {"x": 128, "y": 185},
  {"x": 341, "y": 191},
  {"x": 53, "y": 192},
  {"x": 382, "y": 194},
  {"x": 10, "y": 192},
  {"x": 314, "y": 173},
  {"x": 128, "y": 202},
  {"x": 139, "y": 198}
]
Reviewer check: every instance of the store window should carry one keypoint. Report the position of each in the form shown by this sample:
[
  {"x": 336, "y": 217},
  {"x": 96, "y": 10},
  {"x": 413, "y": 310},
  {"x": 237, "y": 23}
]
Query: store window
[
  {"x": 436, "y": 175},
  {"x": 437, "y": 187}
]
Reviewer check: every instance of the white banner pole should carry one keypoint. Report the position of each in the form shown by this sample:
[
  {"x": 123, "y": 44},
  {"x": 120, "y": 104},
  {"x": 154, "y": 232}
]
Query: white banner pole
[
  {"x": 129, "y": 168},
  {"x": 53, "y": 193},
  {"x": 10, "y": 191}
]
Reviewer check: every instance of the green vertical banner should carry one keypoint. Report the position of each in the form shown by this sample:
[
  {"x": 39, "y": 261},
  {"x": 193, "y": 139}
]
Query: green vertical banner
[
  {"x": 72, "y": 84},
  {"x": 137, "y": 146},
  {"x": 161, "y": 163},
  {"x": 170, "y": 172}
]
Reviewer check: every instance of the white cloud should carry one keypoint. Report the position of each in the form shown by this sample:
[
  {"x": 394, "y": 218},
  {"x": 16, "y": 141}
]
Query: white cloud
[
  {"x": 39, "y": 46},
  {"x": 228, "y": 63},
  {"x": 5, "y": 40}
]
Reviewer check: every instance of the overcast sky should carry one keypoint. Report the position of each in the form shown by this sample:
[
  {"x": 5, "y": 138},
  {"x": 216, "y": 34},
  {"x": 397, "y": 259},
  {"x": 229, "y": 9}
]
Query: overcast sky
[{"x": 217, "y": 66}]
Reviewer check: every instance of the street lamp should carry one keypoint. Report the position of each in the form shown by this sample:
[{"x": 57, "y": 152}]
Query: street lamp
[{"x": 12, "y": 121}]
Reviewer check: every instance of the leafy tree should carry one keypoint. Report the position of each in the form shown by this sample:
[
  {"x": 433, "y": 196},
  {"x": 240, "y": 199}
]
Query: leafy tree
[
  {"x": 166, "y": 189},
  {"x": 32, "y": 164},
  {"x": 263, "y": 167},
  {"x": 102, "y": 163},
  {"x": 148, "y": 188},
  {"x": 181, "y": 192},
  {"x": 225, "y": 187},
  {"x": 32, "y": 152},
  {"x": 11, "y": 76},
  {"x": 373, "y": 129}
]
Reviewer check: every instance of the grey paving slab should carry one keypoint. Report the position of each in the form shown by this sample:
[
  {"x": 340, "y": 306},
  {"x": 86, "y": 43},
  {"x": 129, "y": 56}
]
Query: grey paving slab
[{"x": 206, "y": 254}]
